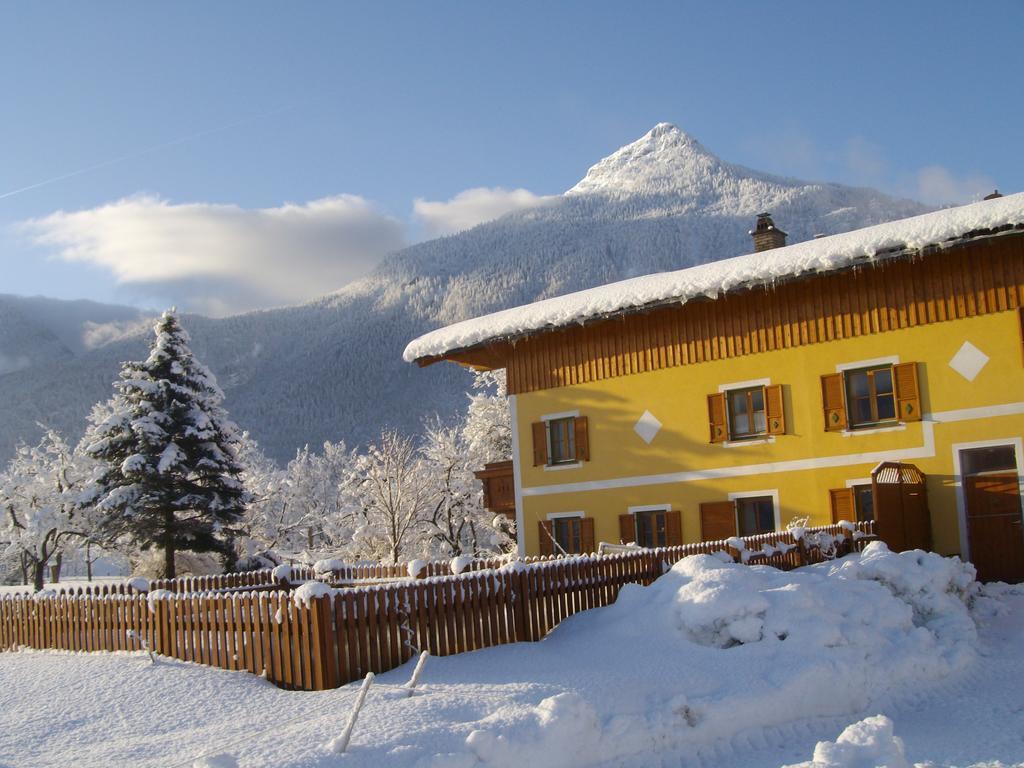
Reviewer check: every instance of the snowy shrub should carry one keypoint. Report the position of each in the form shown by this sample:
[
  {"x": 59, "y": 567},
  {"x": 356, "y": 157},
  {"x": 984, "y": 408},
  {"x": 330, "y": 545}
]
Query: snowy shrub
[{"x": 258, "y": 561}]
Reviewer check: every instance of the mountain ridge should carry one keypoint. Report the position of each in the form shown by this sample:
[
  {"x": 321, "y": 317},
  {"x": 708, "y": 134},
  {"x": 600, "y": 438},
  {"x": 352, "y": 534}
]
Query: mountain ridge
[{"x": 332, "y": 368}]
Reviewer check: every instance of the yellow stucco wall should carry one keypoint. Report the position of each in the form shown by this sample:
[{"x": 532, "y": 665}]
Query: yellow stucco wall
[{"x": 801, "y": 465}]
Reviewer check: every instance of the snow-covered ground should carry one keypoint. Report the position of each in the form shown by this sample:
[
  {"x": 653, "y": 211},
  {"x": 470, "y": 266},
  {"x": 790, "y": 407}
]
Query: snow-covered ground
[{"x": 715, "y": 664}]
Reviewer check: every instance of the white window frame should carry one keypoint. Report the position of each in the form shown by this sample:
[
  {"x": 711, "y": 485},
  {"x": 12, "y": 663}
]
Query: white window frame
[{"x": 562, "y": 515}]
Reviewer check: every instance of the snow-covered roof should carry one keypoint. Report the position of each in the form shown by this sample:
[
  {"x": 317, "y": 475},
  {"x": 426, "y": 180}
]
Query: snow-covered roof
[{"x": 718, "y": 277}]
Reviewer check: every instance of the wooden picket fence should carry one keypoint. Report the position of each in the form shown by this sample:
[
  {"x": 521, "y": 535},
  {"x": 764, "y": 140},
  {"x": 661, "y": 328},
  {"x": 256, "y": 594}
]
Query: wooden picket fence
[{"x": 330, "y": 640}]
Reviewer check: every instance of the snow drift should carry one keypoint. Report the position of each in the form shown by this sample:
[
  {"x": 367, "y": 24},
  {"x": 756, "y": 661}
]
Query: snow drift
[{"x": 713, "y": 649}]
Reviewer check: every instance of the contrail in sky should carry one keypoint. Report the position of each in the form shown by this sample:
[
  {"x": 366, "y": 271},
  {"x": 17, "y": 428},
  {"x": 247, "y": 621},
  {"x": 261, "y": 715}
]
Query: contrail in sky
[{"x": 142, "y": 152}]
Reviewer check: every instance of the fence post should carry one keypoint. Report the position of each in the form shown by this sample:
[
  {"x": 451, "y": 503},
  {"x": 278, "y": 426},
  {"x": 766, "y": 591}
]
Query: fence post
[
  {"x": 323, "y": 644},
  {"x": 160, "y": 627},
  {"x": 519, "y": 606}
]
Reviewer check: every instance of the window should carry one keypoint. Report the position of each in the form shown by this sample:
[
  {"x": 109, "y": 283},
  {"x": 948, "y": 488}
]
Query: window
[
  {"x": 863, "y": 503},
  {"x": 755, "y": 514},
  {"x": 747, "y": 415},
  {"x": 652, "y": 526},
  {"x": 870, "y": 396},
  {"x": 746, "y": 412},
  {"x": 651, "y": 529},
  {"x": 567, "y": 534},
  {"x": 562, "y": 440}
]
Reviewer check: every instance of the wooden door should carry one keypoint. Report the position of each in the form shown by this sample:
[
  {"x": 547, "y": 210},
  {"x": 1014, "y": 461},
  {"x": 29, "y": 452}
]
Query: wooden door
[{"x": 994, "y": 526}]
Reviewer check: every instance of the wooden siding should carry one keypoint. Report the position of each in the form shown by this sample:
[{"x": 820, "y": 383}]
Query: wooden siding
[{"x": 980, "y": 277}]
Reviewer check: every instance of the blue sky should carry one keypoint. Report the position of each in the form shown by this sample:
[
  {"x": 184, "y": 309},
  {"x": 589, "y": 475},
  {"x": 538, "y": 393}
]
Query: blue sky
[{"x": 211, "y": 111}]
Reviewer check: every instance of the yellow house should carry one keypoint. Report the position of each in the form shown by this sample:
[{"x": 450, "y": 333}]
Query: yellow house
[{"x": 733, "y": 397}]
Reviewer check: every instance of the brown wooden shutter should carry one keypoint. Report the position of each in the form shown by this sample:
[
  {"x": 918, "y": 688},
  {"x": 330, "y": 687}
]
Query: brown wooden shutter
[
  {"x": 540, "y": 443},
  {"x": 717, "y": 428},
  {"x": 587, "y": 535},
  {"x": 908, "y": 393},
  {"x": 547, "y": 535},
  {"x": 774, "y": 410},
  {"x": 833, "y": 398},
  {"x": 717, "y": 520},
  {"x": 627, "y": 529},
  {"x": 843, "y": 507},
  {"x": 673, "y": 528},
  {"x": 582, "y": 438}
]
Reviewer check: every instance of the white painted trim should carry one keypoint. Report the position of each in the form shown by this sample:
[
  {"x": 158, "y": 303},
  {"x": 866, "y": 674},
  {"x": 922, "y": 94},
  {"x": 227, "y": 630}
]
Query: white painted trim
[
  {"x": 517, "y": 478},
  {"x": 776, "y": 510},
  {"x": 958, "y": 481},
  {"x": 649, "y": 508},
  {"x": 890, "y": 360},
  {"x": 562, "y": 515},
  {"x": 874, "y": 430},
  {"x": 745, "y": 384},
  {"x": 565, "y": 465},
  {"x": 561, "y": 415},
  {"x": 740, "y": 443},
  {"x": 925, "y": 451},
  {"x": 858, "y": 481}
]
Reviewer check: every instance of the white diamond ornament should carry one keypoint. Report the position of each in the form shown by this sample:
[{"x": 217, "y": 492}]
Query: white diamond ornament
[
  {"x": 647, "y": 426},
  {"x": 968, "y": 361}
]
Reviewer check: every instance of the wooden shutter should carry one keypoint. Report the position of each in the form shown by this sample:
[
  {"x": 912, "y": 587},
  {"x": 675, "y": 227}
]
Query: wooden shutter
[
  {"x": 717, "y": 428},
  {"x": 908, "y": 393},
  {"x": 833, "y": 398},
  {"x": 540, "y": 443},
  {"x": 774, "y": 410},
  {"x": 717, "y": 520},
  {"x": 587, "y": 535},
  {"x": 627, "y": 529},
  {"x": 673, "y": 528},
  {"x": 582, "y": 438},
  {"x": 547, "y": 536},
  {"x": 843, "y": 506}
]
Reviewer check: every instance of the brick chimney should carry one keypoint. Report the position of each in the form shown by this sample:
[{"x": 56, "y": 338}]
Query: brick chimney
[{"x": 766, "y": 235}]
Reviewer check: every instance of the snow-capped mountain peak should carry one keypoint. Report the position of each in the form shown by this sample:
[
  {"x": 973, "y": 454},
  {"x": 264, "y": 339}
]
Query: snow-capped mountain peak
[
  {"x": 332, "y": 369},
  {"x": 665, "y": 159}
]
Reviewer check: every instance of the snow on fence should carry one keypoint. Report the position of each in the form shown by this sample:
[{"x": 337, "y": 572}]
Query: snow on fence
[{"x": 316, "y": 638}]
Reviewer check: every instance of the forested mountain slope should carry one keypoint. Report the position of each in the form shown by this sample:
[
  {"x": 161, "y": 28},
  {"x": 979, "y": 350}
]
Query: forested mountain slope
[{"x": 332, "y": 369}]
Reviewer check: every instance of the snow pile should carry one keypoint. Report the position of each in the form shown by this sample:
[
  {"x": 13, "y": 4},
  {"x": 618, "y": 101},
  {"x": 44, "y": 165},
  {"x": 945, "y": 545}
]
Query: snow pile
[
  {"x": 718, "y": 277},
  {"x": 717, "y": 648},
  {"x": 282, "y": 573},
  {"x": 326, "y": 567},
  {"x": 864, "y": 744},
  {"x": 460, "y": 563},
  {"x": 139, "y": 584},
  {"x": 309, "y": 592},
  {"x": 414, "y": 568}
]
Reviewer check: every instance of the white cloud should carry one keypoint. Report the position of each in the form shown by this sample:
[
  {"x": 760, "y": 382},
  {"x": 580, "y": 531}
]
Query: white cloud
[
  {"x": 472, "y": 207},
  {"x": 220, "y": 259},
  {"x": 936, "y": 185}
]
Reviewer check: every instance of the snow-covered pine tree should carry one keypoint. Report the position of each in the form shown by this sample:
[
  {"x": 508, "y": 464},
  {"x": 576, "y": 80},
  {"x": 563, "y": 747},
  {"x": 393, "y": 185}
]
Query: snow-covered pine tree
[{"x": 169, "y": 475}]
